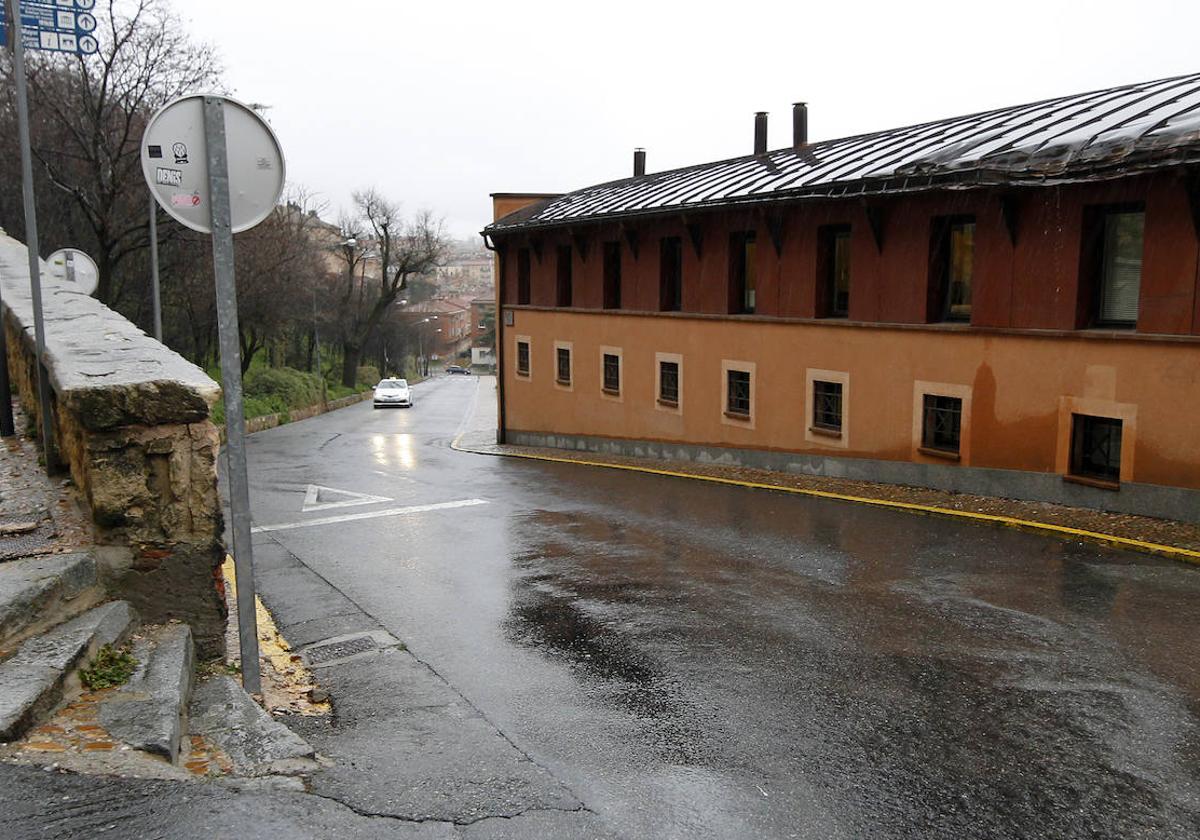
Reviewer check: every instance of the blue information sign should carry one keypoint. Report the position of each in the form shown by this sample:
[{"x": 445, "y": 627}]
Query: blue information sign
[{"x": 54, "y": 25}]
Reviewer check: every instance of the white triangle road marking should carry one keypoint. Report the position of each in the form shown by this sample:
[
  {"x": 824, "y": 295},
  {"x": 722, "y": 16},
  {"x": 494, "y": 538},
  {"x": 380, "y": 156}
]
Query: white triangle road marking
[
  {"x": 347, "y": 498},
  {"x": 371, "y": 514}
]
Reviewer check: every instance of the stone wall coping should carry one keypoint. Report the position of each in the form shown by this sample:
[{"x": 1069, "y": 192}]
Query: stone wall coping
[{"x": 102, "y": 367}]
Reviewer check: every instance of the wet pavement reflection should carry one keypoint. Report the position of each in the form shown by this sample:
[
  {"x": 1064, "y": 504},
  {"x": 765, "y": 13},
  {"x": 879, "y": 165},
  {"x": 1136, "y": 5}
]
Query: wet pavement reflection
[{"x": 928, "y": 679}]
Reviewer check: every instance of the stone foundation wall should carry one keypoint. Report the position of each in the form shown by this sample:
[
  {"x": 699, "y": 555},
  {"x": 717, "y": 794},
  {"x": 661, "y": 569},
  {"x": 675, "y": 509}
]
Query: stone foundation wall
[{"x": 131, "y": 424}]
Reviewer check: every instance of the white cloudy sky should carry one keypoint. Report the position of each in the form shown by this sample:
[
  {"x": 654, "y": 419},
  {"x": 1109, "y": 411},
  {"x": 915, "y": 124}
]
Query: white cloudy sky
[{"x": 439, "y": 104}]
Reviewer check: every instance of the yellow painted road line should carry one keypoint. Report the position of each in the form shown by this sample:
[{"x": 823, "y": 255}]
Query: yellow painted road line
[{"x": 1184, "y": 554}]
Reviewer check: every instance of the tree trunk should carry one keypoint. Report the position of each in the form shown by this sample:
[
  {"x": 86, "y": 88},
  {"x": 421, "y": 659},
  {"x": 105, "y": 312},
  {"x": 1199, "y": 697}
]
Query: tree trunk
[{"x": 350, "y": 357}]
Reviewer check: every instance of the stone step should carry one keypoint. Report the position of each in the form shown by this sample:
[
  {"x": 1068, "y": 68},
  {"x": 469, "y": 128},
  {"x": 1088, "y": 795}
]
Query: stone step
[
  {"x": 256, "y": 743},
  {"x": 37, "y": 593},
  {"x": 150, "y": 712},
  {"x": 32, "y": 681}
]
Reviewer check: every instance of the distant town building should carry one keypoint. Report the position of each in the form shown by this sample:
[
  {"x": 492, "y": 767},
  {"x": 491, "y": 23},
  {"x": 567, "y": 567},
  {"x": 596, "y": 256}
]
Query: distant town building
[
  {"x": 443, "y": 326},
  {"x": 1004, "y": 303}
]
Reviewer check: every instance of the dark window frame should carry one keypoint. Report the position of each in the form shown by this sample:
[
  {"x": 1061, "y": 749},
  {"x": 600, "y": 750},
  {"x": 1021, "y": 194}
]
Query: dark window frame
[
  {"x": 524, "y": 271},
  {"x": 1092, "y": 435},
  {"x": 743, "y": 272},
  {"x": 561, "y": 355},
  {"x": 665, "y": 397},
  {"x": 523, "y": 354},
  {"x": 941, "y": 423},
  {"x": 564, "y": 290},
  {"x": 941, "y": 266},
  {"x": 738, "y": 394},
  {"x": 827, "y": 405},
  {"x": 828, "y": 238},
  {"x": 670, "y": 274},
  {"x": 1091, "y": 264},
  {"x": 612, "y": 275},
  {"x": 611, "y": 382}
]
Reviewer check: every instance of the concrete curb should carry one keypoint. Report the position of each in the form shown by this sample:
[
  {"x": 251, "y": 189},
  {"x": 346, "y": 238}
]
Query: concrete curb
[{"x": 1183, "y": 554}]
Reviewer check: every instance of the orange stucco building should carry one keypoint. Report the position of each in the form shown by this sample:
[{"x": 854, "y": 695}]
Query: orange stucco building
[{"x": 1004, "y": 303}]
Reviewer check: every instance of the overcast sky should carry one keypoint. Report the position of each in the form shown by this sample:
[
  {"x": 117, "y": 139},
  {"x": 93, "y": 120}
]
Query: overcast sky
[{"x": 439, "y": 104}]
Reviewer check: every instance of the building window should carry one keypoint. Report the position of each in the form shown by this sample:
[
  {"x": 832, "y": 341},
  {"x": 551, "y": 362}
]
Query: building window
[
  {"x": 1121, "y": 267},
  {"x": 612, "y": 373},
  {"x": 523, "y": 358},
  {"x": 1096, "y": 447},
  {"x": 743, "y": 273},
  {"x": 668, "y": 382},
  {"x": 827, "y": 406},
  {"x": 563, "y": 371},
  {"x": 523, "y": 276},
  {"x": 612, "y": 275},
  {"x": 563, "y": 297},
  {"x": 670, "y": 297},
  {"x": 942, "y": 425},
  {"x": 952, "y": 259},
  {"x": 833, "y": 271},
  {"x": 738, "y": 394}
]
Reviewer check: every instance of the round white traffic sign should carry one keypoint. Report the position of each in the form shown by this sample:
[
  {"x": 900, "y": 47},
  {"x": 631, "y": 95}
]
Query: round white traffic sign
[
  {"x": 73, "y": 268},
  {"x": 175, "y": 163}
]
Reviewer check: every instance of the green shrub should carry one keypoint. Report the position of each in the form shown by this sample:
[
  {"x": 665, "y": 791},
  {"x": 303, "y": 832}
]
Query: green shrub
[
  {"x": 110, "y": 667},
  {"x": 367, "y": 375}
]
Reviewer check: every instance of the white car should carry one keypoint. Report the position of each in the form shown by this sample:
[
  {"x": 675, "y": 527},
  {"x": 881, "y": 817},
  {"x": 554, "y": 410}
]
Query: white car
[{"x": 393, "y": 392}]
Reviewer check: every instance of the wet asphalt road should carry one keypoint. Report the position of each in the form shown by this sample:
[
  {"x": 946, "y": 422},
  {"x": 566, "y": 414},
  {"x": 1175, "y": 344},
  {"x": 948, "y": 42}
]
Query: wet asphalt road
[{"x": 693, "y": 660}]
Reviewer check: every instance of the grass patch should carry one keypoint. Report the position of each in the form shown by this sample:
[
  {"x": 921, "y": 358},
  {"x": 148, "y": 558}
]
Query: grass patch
[{"x": 110, "y": 667}]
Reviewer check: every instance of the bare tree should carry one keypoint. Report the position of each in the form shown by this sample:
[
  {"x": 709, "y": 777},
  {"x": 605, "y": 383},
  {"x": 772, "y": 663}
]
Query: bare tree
[
  {"x": 403, "y": 248},
  {"x": 88, "y": 115}
]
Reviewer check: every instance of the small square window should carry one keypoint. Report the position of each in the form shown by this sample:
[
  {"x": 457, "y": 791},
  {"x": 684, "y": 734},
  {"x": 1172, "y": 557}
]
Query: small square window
[
  {"x": 942, "y": 424},
  {"x": 523, "y": 358},
  {"x": 563, "y": 356},
  {"x": 827, "y": 405},
  {"x": 1096, "y": 447},
  {"x": 738, "y": 397},
  {"x": 668, "y": 382},
  {"x": 612, "y": 373}
]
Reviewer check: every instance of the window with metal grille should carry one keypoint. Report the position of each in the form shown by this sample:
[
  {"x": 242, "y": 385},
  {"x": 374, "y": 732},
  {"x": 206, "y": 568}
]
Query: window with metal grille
[
  {"x": 943, "y": 423},
  {"x": 523, "y": 276},
  {"x": 827, "y": 405},
  {"x": 1121, "y": 268},
  {"x": 612, "y": 373},
  {"x": 564, "y": 276},
  {"x": 743, "y": 272},
  {"x": 834, "y": 270},
  {"x": 563, "y": 356},
  {"x": 523, "y": 358},
  {"x": 670, "y": 297},
  {"x": 738, "y": 397},
  {"x": 1096, "y": 447},
  {"x": 668, "y": 382},
  {"x": 612, "y": 275}
]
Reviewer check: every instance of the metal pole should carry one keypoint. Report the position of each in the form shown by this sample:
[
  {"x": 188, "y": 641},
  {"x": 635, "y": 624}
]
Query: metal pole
[
  {"x": 154, "y": 269},
  {"x": 7, "y": 428},
  {"x": 231, "y": 382},
  {"x": 31, "y": 235}
]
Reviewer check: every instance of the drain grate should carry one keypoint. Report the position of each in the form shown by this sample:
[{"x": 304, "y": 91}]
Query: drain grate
[
  {"x": 341, "y": 650},
  {"x": 23, "y": 544}
]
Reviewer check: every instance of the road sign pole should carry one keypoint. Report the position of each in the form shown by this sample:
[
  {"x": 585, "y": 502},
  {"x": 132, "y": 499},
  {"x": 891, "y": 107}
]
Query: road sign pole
[
  {"x": 154, "y": 288},
  {"x": 231, "y": 381},
  {"x": 31, "y": 234},
  {"x": 7, "y": 427}
]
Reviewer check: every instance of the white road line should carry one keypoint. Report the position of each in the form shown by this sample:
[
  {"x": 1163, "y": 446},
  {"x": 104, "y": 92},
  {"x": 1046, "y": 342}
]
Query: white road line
[{"x": 374, "y": 514}]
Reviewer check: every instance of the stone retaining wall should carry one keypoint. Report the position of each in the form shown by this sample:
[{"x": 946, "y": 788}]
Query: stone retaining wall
[{"x": 131, "y": 422}]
